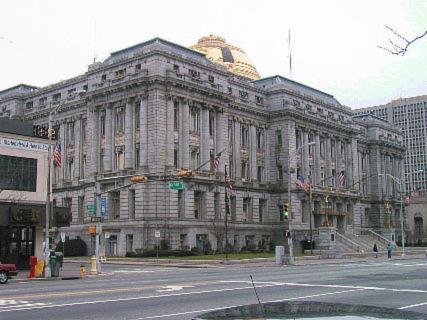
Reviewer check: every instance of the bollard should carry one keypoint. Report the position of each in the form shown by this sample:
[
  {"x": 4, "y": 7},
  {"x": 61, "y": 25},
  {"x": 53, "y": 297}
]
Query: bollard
[
  {"x": 82, "y": 271},
  {"x": 93, "y": 265}
]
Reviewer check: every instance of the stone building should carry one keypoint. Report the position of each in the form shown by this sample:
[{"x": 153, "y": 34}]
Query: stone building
[
  {"x": 410, "y": 115},
  {"x": 156, "y": 107}
]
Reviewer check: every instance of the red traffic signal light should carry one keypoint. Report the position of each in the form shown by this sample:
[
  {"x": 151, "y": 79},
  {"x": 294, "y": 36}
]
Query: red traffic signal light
[
  {"x": 186, "y": 173},
  {"x": 138, "y": 179}
]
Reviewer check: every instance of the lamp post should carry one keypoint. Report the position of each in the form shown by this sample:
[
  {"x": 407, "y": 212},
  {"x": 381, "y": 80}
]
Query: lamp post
[{"x": 290, "y": 242}]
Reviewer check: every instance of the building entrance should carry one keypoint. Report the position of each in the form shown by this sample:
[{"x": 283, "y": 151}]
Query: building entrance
[{"x": 17, "y": 245}]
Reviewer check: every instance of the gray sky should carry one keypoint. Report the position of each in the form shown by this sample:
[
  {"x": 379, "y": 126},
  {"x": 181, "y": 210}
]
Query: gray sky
[{"x": 334, "y": 43}]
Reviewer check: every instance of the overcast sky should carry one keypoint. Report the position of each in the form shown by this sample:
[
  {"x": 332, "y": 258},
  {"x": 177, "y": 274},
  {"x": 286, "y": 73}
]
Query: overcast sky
[{"x": 334, "y": 43}]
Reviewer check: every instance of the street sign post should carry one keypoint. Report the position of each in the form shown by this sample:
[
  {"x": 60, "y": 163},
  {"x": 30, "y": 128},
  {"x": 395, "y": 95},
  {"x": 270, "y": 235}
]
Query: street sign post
[
  {"x": 176, "y": 185},
  {"x": 103, "y": 204},
  {"x": 91, "y": 209}
]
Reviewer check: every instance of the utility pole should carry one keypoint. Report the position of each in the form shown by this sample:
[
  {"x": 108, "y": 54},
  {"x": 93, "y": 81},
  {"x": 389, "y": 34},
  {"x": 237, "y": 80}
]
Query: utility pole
[
  {"x": 47, "y": 271},
  {"x": 227, "y": 210}
]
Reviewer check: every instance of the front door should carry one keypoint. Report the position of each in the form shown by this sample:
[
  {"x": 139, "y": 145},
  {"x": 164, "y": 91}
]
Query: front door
[
  {"x": 418, "y": 232},
  {"x": 17, "y": 245}
]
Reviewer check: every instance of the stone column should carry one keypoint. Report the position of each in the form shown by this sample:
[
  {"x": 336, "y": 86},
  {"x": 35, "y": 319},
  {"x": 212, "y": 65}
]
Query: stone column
[
  {"x": 253, "y": 144},
  {"x": 317, "y": 176},
  {"x": 129, "y": 132},
  {"x": 236, "y": 150},
  {"x": 93, "y": 139},
  {"x": 108, "y": 139},
  {"x": 77, "y": 146},
  {"x": 184, "y": 134},
  {"x": 143, "y": 134},
  {"x": 221, "y": 142},
  {"x": 305, "y": 154},
  {"x": 204, "y": 138},
  {"x": 64, "y": 143},
  {"x": 328, "y": 167},
  {"x": 169, "y": 133}
]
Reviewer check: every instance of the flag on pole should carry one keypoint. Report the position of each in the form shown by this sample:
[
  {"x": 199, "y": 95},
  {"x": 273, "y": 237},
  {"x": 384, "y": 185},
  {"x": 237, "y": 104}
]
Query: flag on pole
[
  {"x": 407, "y": 200},
  {"x": 303, "y": 183},
  {"x": 57, "y": 154},
  {"x": 228, "y": 180},
  {"x": 341, "y": 178},
  {"x": 215, "y": 160},
  {"x": 416, "y": 193}
]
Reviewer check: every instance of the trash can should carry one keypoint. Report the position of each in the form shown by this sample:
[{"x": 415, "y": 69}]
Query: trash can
[{"x": 55, "y": 263}]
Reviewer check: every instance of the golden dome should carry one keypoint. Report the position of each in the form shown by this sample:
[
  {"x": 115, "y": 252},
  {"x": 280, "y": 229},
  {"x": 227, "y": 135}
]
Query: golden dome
[{"x": 235, "y": 59}]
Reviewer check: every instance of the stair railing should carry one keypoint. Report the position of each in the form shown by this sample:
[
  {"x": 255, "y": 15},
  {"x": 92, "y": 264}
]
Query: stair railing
[{"x": 351, "y": 243}]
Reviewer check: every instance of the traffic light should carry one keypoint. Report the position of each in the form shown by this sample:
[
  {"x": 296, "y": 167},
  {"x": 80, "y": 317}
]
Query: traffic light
[
  {"x": 185, "y": 173},
  {"x": 285, "y": 211},
  {"x": 138, "y": 179}
]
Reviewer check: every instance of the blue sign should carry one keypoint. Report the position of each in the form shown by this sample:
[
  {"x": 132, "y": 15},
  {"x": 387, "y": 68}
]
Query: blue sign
[{"x": 103, "y": 206}]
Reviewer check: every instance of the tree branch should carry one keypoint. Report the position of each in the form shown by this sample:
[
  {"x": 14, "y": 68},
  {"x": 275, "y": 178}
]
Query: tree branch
[{"x": 398, "y": 49}]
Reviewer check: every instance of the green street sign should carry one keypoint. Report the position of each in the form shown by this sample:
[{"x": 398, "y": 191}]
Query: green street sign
[
  {"x": 91, "y": 208},
  {"x": 176, "y": 185}
]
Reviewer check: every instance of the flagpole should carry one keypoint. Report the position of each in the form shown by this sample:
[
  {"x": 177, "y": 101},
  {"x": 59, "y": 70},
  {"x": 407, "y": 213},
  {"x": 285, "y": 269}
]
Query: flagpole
[{"x": 227, "y": 210}]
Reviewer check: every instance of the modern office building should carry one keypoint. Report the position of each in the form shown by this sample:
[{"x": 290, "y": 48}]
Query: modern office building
[
  {"x": 410, "y": 116},
  {"x": 157, "y": 107},
  {"x": 23, "y": 191}
]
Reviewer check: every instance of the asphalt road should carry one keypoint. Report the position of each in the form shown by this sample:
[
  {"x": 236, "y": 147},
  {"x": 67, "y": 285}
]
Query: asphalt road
[{"x": 143, "y": 292}]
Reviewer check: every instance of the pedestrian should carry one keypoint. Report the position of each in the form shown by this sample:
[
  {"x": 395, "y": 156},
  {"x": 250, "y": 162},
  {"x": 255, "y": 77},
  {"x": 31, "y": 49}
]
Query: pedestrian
[
  {"x": 389, "y": 250},
  {"x": 375, "y": 249}
]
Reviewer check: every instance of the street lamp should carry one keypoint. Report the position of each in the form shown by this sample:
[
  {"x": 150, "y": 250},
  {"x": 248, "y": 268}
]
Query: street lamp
[{"x": 290, "y": 243}]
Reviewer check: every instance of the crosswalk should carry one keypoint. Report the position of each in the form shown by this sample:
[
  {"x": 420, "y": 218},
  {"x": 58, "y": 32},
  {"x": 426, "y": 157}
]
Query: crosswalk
[
  {"x": 386, "y": 263},
  {"x": 12, "y": 304},
  {"x": 139, "y": 270}
]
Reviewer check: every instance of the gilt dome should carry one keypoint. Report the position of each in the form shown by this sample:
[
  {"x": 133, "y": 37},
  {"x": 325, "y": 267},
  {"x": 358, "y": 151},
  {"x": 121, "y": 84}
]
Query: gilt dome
[{"x": 233, "y": 58}]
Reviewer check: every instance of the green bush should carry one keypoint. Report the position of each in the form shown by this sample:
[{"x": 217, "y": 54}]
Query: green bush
[
  {"x": 162, "y": 253},
  {"x": 73, "y": 248}
]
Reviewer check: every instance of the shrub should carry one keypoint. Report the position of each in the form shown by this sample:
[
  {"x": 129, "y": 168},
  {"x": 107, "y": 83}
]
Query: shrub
[
  {"x": 73, "y": 248},
  {"x": 162, "y": 253}
]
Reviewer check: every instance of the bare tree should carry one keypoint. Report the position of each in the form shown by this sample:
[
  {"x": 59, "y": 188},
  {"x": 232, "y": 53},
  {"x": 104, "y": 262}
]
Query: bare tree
[{"x": 400, "y": 48}]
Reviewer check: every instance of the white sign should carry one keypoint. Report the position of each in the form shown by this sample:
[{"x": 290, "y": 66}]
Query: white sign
[
  {"x": 22, "y": 144},
  {"x": 157, "y": 234},
  {"x": 107, "y": 235},
  {"x": 63, "y": 236}
]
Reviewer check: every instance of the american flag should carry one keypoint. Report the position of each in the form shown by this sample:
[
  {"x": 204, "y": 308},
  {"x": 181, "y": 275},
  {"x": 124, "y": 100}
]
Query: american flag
[
  {"x": 303, "y": 183},
  {"x": 228, "y": 180},
  {"x": 57, "y": 154},
  {"x": 215, "y": 160},
  {"x": 341, "y": 178},
  {"x": 407, "y": 199},
  {"x": 415, "y": 193}
]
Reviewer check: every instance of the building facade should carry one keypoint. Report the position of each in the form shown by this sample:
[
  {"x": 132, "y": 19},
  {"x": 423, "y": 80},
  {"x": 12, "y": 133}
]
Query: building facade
[
  {"x": 410, "y": 115},
  {"x": 157, "y": 107}
]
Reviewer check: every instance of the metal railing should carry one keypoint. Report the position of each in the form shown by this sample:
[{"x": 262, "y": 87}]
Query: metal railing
[{"x": 349, "y": 242}]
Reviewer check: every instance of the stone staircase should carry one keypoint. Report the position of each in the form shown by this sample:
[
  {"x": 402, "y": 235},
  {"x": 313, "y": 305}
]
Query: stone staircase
[{"x": 362, "y": 243}]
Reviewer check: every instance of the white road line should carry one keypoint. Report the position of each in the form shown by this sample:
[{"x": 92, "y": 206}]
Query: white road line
[
  {"x": 139, "y": 298},
  {"x": 327, "y": 286},
  {"x": 414, "y": 305},
  {"x": 214, "y": 309}
]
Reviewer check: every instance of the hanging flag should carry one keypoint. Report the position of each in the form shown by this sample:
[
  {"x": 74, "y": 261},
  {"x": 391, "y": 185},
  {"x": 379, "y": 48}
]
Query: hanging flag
[
  {"x": 228, "y": 180},
  {"x": 57, "y": 154},
  {"x": 341, "y": 178},
  {"x": 302, "y": 183},
  {"x": 215, "y": 160},
  {"x": 407, "y": 200},
  {"x": 416, "y": 193}
]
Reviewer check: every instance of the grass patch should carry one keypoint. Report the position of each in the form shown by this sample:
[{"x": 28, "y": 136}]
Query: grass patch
[{"x": 231, "y": 256}]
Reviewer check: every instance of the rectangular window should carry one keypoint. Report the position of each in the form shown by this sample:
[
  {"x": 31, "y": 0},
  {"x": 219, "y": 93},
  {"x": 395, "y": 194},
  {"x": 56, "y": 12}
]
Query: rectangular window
[
  {"x": 233, "y": 208},
  {"x": 194, "y": 120},
  {"x": 175, "y": 115},
  {"x": 279, "y": 137},
  {"x": 120, "y": 73},
  {"x": 247, "y": 209},
  {"x": 217, "y": 205},
  {"x": 120, "y": 120},
  {"x": 70, "y": 168},
  {"x": 175, "y": 156},
  {"x": 198, "y": 201},
  {"x": 56, "y": 97},
  {"x": 129, "y": 243},
  {"x": 243, "y": 95},
  {"x": 42, "y": 102},
  {"x": 211, "y": 79},
  {"x": 181, "y": 207},
  {"x": 260, "y": 173},
  {"x": 81, "y": 209},
  {"x": 101, "y": 160},
  {"x": 245, "y": 170},
  {"x": 297, "y": 139},
  {"x": 211, "y": 123},
  {"x": 137, "y": 115},
  {"x": 137, "y": 155},
  {"x": 244, "y": 135},
  {"x": 322, "y": 148},
  {"x": 115, "y": 204},
  {"x": 83, "y": 167},
  {"x": 262, "y": 209},
  {"x": 280, "y": 172},
  {"x": 84, "y": 126},
  {"x": 260, "y": 138},
  {"x": 119, "y": 159},
  {"x": 70, "y": 132},
  {"x": 138, "y": 67},
  {"x": 29, "y": 105},
  {"x": 194, "y": 73},
  {"x": 102, "y": 123},
  {"x": 18, "y": 173},
  {"x": 131, "y": 200},
  {"x": 259, "y": 100},
  {"x": 194, "y": 159}
]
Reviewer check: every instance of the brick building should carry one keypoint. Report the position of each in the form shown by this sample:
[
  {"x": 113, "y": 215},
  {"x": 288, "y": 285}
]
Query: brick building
[{"x": 156, "y": 107}]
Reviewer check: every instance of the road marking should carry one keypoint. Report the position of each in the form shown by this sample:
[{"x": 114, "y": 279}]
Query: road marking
[
  {"x": 414, "y": 305},
  {"x": 139, "y": 298},
  {"x": 235, "y": 306},
  {"x": 327, "y": 286},
  {"x": 173, "y": 288},
  {"x": 11, "y": 305}
]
